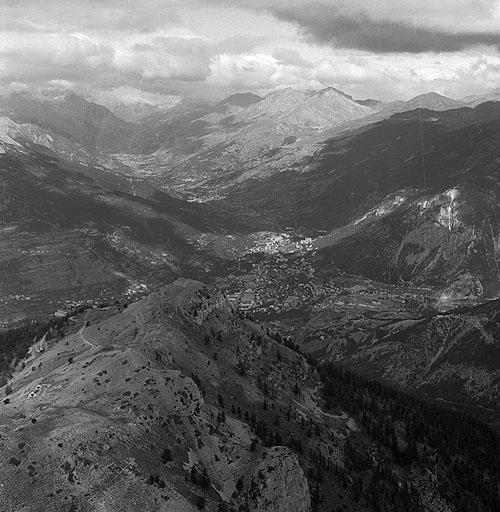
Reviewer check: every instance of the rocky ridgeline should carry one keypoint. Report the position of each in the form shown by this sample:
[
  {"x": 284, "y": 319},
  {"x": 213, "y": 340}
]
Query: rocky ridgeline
[{"x": 141, "y": 405}]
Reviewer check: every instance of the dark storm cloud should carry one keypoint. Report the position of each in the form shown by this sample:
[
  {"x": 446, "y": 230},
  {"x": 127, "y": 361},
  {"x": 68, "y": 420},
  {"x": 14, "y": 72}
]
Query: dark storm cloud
[
  {"x": 364, "y": 33},
  {"x": 387, "y": 26}
]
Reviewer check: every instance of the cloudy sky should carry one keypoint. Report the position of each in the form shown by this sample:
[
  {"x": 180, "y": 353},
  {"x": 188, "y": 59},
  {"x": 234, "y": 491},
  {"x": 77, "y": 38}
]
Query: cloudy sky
[{"x": 157, "y": 50}]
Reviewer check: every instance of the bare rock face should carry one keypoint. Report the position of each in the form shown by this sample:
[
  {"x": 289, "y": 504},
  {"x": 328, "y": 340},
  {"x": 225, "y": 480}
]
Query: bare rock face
[
  {"x": 278, "y": 483},
  {"x": 195, "y": 302}
]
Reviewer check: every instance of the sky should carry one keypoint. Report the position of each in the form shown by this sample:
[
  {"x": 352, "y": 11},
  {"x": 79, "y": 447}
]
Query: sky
[{"x": 156, "y": 51}]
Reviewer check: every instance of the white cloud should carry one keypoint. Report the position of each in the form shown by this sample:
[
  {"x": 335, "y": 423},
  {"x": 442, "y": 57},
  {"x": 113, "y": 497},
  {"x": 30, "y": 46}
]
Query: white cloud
[
  {"x": 282, "y": 69},
  {"x": 89, "y": 15},
  {"x": 213, "y": 47},
  {"x": 257, "y": 71},
  {"x": 167, "y": 57},
  {"x": 51, "y": 56},
  {"x": 289, "y": 57}
]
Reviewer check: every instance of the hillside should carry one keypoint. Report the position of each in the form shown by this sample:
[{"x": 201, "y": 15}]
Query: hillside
[
  {"x": 448, "y": 356},
  {"x": 75, "y": 232},
  {"x": 409, "y": 199},
  {"x": 166, "y": 388},
  {"x": 452, "y": 356},
  {"x": 68, "y": 115},
  {"x": 178, "y": 402}
]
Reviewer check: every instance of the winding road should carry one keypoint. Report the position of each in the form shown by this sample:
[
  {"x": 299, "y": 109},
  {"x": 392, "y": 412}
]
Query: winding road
[{"x": 84, "y": 339}]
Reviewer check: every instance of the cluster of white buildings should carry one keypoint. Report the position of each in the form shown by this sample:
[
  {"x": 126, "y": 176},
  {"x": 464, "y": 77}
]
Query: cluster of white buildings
[{"x": 244, "y": 301}]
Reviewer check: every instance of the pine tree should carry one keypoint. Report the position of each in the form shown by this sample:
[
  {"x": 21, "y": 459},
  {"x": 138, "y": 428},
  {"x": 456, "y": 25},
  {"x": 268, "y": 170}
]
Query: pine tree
[
  {"x": 204, "y": 480},
  {"x": 239, "y": 485},
  {"x": 220, "y": 400}
]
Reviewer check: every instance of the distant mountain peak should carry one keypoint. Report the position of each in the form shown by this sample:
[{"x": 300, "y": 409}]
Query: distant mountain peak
[
  {"x": 289, "y": 92},
  {"x": 66, "y": 94},
  {"x": 435, "y": 96},
  {"x": 241, "y": 99},
  {"x": 332, "y": 91},
  {"x": 474, "y": 100},
  {"x": 430, "y": 101}
]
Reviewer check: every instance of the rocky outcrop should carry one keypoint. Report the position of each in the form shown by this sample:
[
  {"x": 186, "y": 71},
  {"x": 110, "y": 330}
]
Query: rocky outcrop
[
  {"x": 195, "y": 301},
  {"x": 278, "y": 483}
]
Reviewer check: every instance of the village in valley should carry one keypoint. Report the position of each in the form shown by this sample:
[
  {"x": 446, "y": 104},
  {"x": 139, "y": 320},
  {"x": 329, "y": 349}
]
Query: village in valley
[{"x": 279, "y": 284}]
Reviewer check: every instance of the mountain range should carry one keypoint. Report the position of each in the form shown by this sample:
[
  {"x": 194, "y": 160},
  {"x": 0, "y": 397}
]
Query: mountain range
[
  {"x": 390, "y": 191},
  {"x": 408, "y": 183}
]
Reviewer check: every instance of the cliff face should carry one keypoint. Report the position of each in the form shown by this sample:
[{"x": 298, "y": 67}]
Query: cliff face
[
  {"x": 448, "y": 236},
  {"x": 448, "y": 239},
  {"x": 278, "y": 483}
]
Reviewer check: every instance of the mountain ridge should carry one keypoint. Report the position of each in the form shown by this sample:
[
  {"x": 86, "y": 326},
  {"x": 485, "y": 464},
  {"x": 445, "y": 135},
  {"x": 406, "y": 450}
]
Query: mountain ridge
[{"x": 180, "y": 401}]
